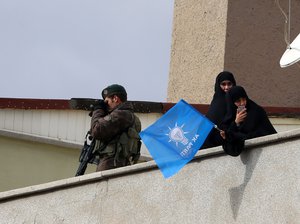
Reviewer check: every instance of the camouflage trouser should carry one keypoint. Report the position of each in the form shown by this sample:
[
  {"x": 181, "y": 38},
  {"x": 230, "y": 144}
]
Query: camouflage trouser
[{"x": 108, "y": 162}]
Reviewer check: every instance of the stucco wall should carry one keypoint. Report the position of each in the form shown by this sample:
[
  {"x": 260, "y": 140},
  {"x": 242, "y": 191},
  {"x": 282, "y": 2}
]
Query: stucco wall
[
  {"x": 260, "y": 186},
  {"x": 244, "y": 37},
  {"x": 254, "y": 46},
  {"x": 198, "y": 48}
]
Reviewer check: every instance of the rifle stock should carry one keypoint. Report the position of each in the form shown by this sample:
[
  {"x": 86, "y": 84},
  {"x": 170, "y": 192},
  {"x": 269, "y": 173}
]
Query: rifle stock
[{"x": 86, "y": 156}]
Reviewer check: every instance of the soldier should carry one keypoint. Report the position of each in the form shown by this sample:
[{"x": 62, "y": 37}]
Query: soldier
[{"x": 116, "y": 128}]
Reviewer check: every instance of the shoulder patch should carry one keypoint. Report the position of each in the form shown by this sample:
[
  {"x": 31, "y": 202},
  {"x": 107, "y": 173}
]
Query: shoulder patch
[{"x": 107, "y": 117}]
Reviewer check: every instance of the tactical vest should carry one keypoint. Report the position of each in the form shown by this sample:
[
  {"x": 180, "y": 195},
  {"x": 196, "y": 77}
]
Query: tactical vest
[{"x": 125, "y": 147}]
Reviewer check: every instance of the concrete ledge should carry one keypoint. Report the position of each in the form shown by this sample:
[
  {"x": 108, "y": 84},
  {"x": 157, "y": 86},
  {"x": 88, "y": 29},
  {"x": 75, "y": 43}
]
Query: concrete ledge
[
  {"x": 141, "y": 167},
  {"x": 74, "y": 181},
  {"x": 290, "y": 134}
]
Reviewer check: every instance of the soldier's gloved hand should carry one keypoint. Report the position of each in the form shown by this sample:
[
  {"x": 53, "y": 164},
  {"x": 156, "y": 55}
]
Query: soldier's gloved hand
[{"x": 100, "y": 104}]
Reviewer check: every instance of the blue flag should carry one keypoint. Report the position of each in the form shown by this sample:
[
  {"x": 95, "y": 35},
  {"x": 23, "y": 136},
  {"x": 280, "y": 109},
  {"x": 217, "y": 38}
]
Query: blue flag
[{"x": 174, "y": 139}]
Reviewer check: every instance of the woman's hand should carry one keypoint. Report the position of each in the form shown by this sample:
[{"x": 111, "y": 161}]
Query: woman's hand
[
  {"x": 222, "y": 133},
  {"x": 240, "y": 116}
]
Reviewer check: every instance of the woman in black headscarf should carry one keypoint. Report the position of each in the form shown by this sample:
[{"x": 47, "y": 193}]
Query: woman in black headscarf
[
  {"x": 247, "y": 120},
  {"x": 218, "y": 107}
]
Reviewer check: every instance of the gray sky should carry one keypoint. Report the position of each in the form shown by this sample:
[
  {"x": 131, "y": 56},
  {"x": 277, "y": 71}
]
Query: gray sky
[{"x": 59, "y": 49}]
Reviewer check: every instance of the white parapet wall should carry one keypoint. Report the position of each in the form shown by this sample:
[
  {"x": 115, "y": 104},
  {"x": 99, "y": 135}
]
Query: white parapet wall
[
  {"x": 58, "y": 125},
  {"x": 72, "y": 125},
  {"x": 261, "y": 185},
  {"x": 42, "y": 145}
]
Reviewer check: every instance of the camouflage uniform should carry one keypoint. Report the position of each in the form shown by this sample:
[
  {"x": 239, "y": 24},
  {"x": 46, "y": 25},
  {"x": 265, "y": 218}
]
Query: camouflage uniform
[{"x": 107, "y": 128}]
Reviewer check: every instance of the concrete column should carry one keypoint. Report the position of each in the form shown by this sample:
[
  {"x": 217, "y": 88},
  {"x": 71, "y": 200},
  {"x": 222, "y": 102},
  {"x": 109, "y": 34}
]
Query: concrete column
[{"x": 244, "y": 37}]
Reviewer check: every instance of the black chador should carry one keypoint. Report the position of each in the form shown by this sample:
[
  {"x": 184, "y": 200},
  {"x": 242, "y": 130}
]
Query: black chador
[
  {"x": 218, "y": 109},
  {"x": 255, "y": 124}
]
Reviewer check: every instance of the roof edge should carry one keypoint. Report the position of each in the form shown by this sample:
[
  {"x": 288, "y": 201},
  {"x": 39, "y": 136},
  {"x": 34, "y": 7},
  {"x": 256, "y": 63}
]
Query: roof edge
[{"x": 139, "y": 106}]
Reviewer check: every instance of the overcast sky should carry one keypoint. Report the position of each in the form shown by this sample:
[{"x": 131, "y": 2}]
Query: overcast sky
[{"x": 59, "y": 49}]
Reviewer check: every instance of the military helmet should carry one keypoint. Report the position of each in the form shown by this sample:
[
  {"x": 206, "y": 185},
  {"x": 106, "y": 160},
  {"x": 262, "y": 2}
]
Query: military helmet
[{"x": 114, "y": 89}]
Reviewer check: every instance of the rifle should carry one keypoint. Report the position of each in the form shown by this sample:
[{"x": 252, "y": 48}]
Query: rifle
[
  {"x": 85, "y": 104},
  {"x": 87, "y": 155}
]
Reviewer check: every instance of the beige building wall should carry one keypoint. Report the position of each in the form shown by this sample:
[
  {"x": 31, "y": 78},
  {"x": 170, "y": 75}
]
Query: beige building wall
[
  {"x": 26, "y": 163},
  {"x": 244, "y": 37},
  {"x": 198, "y": 48}
]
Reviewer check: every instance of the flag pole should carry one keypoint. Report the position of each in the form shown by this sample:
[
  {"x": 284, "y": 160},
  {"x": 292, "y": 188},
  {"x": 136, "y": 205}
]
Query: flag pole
[{"x": 216, "y": 127}]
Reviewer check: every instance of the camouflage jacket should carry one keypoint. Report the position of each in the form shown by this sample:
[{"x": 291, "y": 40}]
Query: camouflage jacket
[{"x": 105, "y": 126}]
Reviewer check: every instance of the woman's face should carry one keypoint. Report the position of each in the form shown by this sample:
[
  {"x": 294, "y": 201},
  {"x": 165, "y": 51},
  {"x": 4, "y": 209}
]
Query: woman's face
[
  {"x": 241, "y": 102},
  {"x": 226, "y": 85}
]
